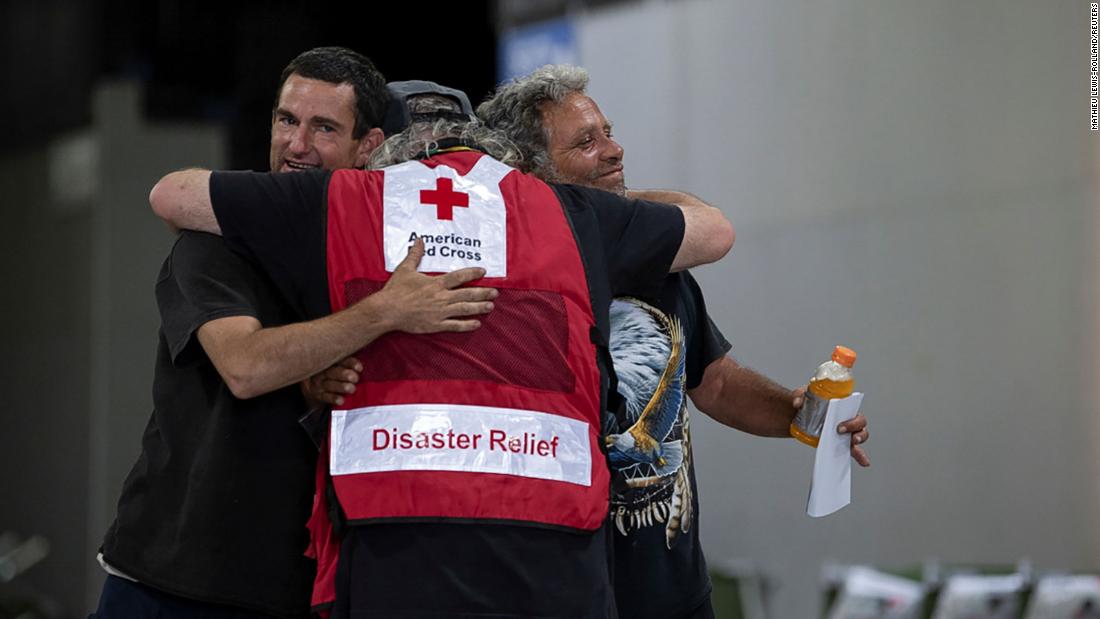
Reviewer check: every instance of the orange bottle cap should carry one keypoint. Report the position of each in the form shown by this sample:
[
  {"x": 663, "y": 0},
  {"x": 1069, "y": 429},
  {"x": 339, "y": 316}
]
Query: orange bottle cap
[{"x": 844, "y": 356}]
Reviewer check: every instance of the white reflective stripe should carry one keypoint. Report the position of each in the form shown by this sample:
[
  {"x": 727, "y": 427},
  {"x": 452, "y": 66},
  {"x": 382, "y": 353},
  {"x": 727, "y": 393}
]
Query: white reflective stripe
[
  {"x": 474, "y": 236},
  {"x": 448, "y": 437}
]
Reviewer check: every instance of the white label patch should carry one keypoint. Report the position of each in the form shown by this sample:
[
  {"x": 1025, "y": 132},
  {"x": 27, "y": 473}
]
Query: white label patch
[
  {"x": 462, "y": 219},
  {"x": 447, "y": 437}
]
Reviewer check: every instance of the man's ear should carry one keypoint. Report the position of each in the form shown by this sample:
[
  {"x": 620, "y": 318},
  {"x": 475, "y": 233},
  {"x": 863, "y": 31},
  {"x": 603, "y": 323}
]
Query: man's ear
[{"x": 372, "y": 140}]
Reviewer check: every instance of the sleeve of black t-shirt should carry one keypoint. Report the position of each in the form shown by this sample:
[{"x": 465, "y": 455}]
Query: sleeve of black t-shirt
[
  {"x": 640, "y": 238},
  {"x": 201, "y": 280},
  {"x": 278, "y": 221},
  {"x": 707, "y": 342}
]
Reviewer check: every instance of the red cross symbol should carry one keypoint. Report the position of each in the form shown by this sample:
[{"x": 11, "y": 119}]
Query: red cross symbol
[{"x": 445, "y": 198}]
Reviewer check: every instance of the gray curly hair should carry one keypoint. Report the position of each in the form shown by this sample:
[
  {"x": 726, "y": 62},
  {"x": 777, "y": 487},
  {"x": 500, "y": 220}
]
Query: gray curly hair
[
  {"x": 516, "y": 109},
  {"x": 422, "y": 138}
]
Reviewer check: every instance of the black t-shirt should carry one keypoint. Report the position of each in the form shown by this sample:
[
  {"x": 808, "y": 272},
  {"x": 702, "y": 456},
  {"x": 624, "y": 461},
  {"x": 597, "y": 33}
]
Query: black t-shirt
[
  {"x": 660, "y": 572},
  {"x": 216, "y": 506},
  {"x": 451, "y": 569},
  {"x": 278, "y": 220}
]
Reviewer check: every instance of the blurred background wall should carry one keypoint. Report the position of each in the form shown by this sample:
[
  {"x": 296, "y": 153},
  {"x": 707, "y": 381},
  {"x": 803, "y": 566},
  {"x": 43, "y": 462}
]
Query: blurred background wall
[{"x": 915, "y": 180}]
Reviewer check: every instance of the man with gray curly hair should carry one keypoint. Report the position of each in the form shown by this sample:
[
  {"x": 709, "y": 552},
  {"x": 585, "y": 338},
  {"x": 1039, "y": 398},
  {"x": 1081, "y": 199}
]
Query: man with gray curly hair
[
  {"x": 428, "y": 114},
  {"x": 518, "y": 108},
  {"x": 659, "y": 566}
]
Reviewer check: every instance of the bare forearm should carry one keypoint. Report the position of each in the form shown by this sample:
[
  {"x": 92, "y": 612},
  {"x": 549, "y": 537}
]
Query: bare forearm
[
  {"x": 668, "y": 196},
  {"x": 270, "y": 358},
  {"x": 254, "y": 360},
  {"x": 744, "y": 399},
  {"x": 182, "y": 199},
  {"x": 708, "y": 235}
]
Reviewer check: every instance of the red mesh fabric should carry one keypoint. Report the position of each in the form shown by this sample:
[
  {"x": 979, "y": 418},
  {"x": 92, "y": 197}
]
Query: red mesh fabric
[{"x": 524, "y": 342}]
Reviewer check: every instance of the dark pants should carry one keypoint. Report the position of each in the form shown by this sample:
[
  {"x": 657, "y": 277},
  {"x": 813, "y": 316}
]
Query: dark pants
[
  {"x": 705, "y": 611},
  {"x": 123, "y": 599}
]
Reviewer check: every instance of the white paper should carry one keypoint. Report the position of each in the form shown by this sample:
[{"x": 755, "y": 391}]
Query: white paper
[{"x": 831, "y": 488}]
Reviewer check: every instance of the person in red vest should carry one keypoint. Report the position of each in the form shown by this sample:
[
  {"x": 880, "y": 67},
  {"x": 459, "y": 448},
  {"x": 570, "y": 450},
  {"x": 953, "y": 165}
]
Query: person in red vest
[
  {"x": 468, "y": 468},
  {"x": 665, "y": 347}
]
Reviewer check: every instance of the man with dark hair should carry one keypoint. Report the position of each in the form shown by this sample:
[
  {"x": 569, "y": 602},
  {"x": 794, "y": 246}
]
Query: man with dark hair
[
  {"x": 664, "y": 347},
  {"x": 328, "y": 111},
  {"x": 470, "y": 474},
  {"x": 212, "y": 518}
]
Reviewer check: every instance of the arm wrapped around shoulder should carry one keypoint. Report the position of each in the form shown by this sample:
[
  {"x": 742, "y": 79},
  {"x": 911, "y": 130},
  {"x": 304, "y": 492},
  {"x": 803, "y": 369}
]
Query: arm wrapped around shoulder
[
  {"x": 708, "y": 235},
  {"x": 182, "y": 199}
]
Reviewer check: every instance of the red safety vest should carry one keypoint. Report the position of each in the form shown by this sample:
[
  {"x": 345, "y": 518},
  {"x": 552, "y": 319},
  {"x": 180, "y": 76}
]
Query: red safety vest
[{"x": 501, "y": 424}]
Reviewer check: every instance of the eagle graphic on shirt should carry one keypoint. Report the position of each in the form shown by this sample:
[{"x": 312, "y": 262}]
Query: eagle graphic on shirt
[{"x": 649, "y": 448}]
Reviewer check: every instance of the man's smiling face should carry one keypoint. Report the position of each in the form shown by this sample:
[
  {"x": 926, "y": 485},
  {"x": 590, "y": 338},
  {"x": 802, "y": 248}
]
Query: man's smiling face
[
  {"x": 312, "y": 127},
  {"x": 580, "y": 144}
]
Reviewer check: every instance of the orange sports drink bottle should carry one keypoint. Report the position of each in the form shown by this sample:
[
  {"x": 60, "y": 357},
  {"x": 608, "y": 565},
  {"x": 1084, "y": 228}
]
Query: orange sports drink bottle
[{"x": 832, "y": 381}]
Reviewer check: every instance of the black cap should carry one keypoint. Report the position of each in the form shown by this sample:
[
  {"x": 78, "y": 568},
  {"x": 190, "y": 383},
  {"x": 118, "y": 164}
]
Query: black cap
[{"x": 399, "y": 116}]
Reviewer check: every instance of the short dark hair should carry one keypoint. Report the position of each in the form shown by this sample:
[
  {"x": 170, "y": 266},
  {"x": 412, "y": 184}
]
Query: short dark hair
[{"x": 340, "y": 65}]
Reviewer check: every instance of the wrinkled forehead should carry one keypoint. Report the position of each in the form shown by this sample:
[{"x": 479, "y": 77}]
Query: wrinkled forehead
[{"x": 577, "y": 113}]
